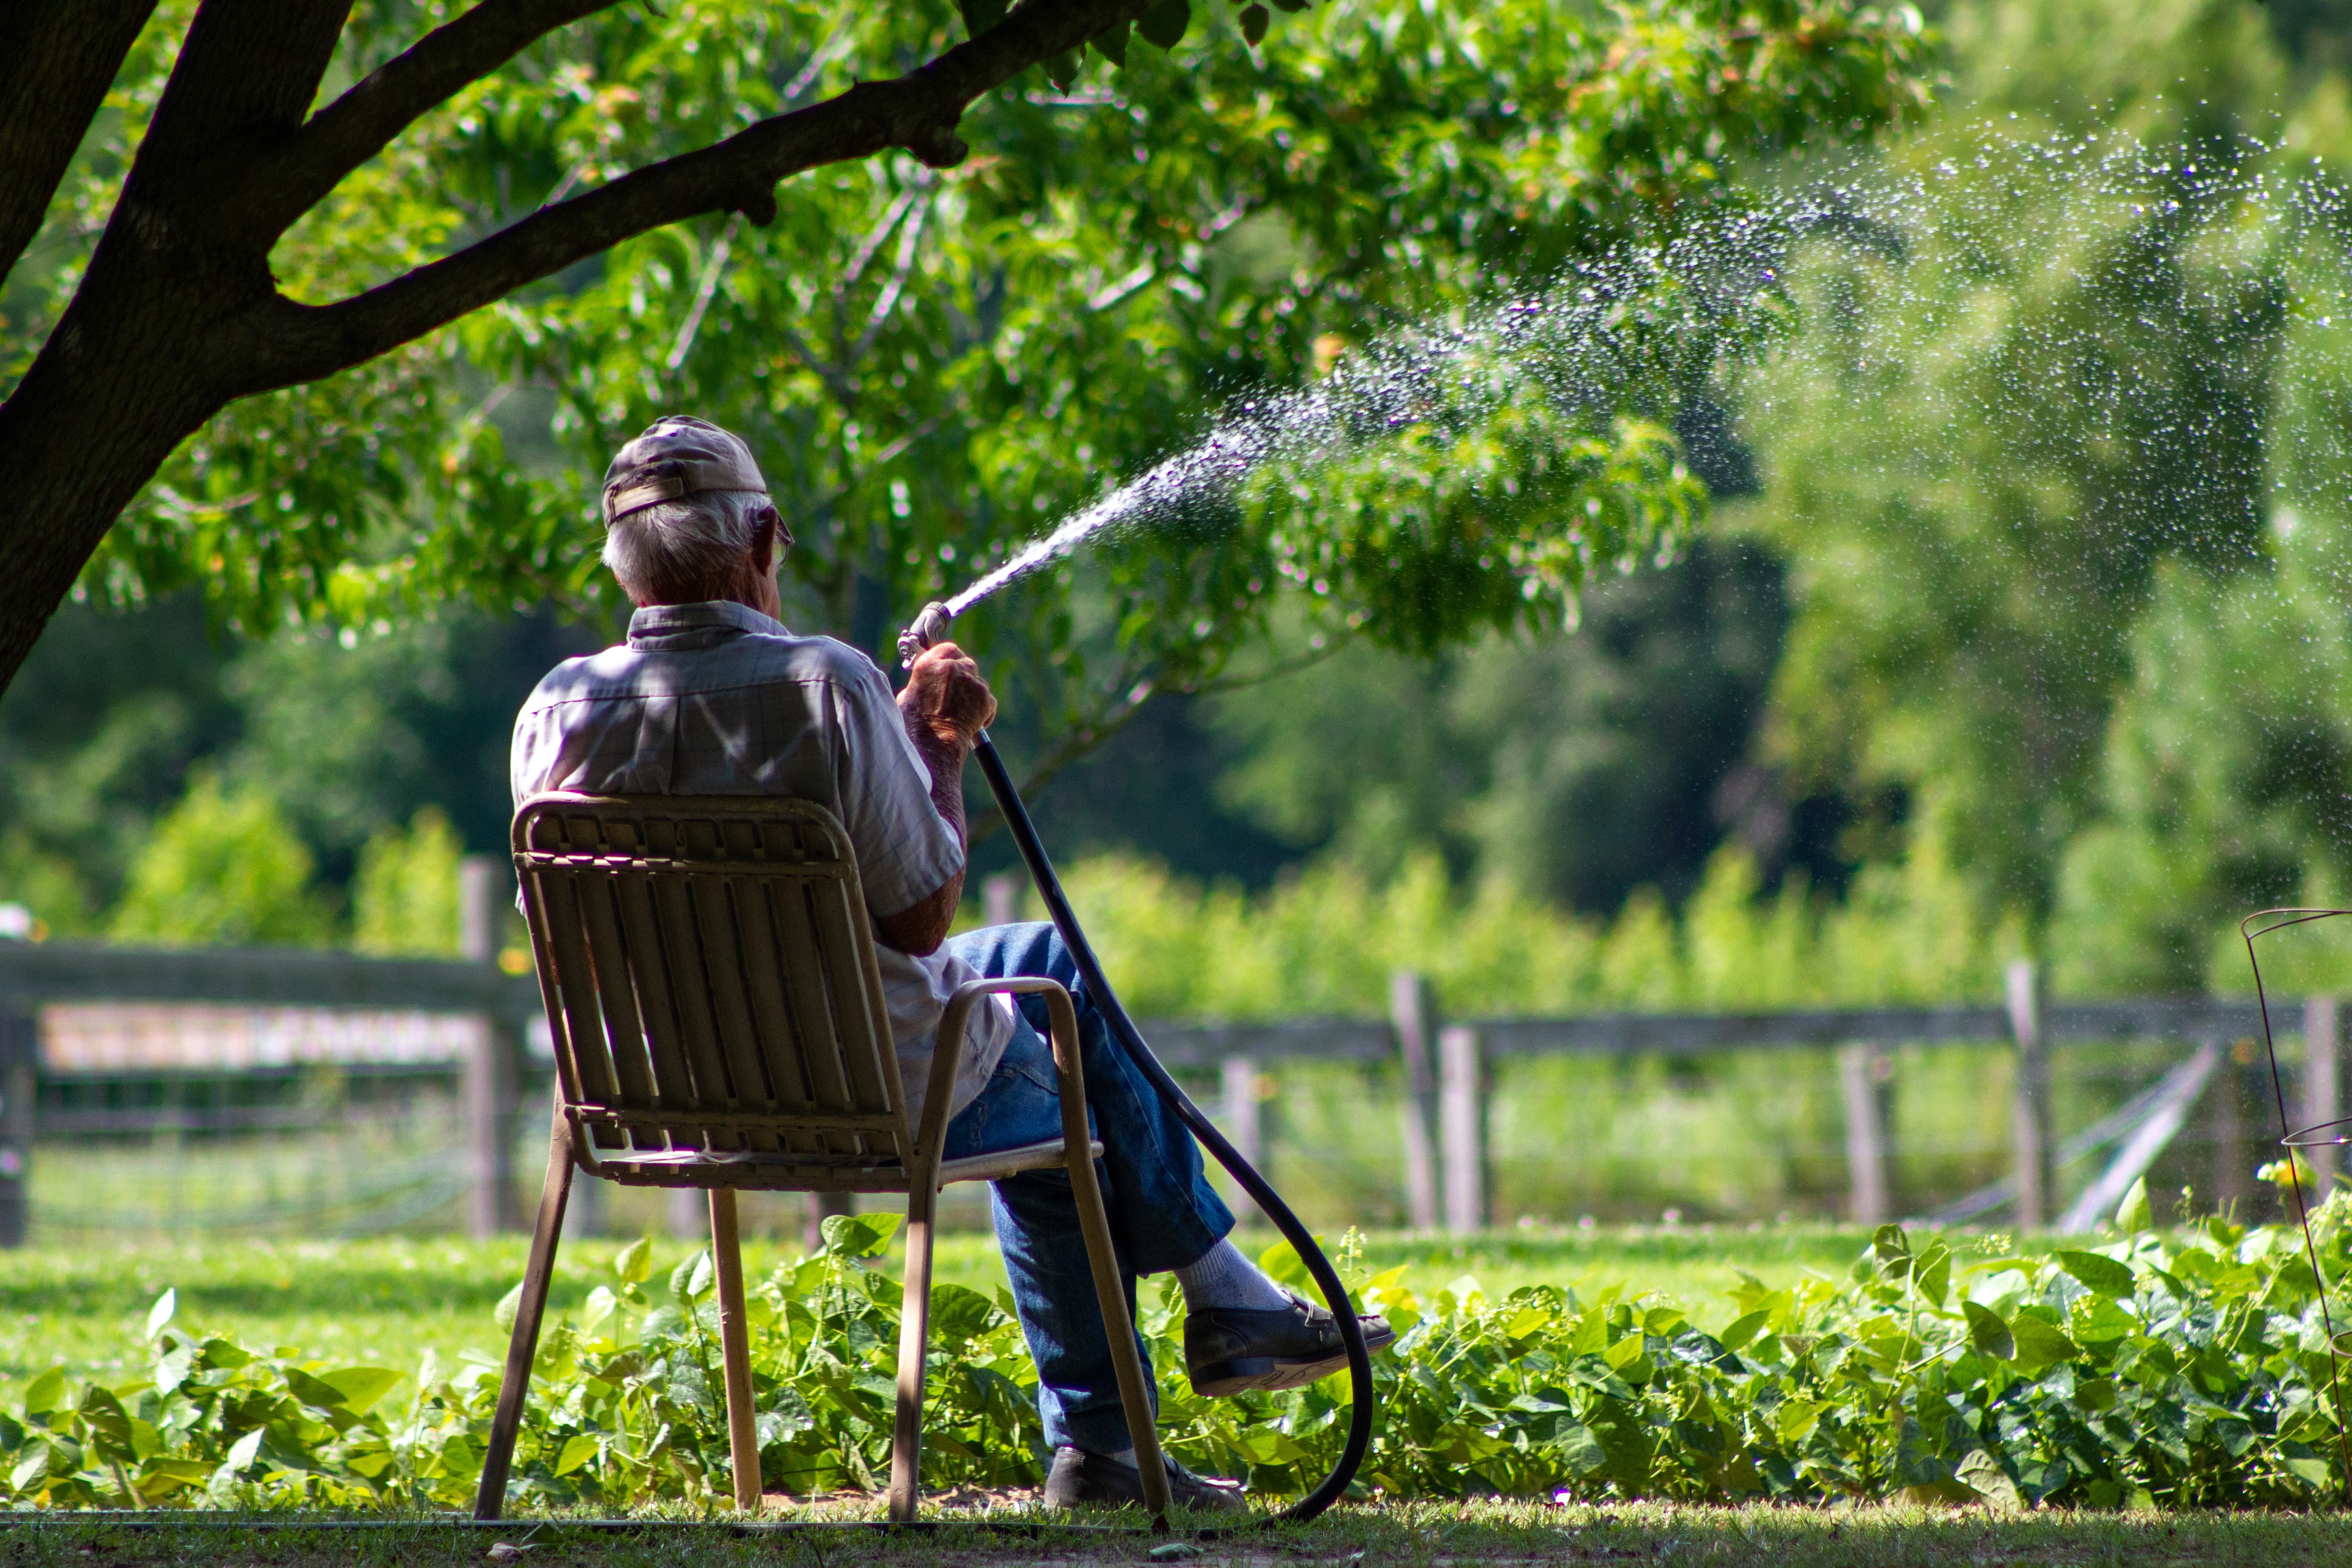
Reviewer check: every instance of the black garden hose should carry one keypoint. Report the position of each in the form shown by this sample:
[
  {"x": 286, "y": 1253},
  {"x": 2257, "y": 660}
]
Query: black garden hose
[{"x": 1331, "y": 1488}]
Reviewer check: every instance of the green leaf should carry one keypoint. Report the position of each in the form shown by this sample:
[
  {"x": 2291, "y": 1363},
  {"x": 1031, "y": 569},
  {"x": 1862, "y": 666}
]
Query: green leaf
[
  {"x": 2104, "y": 1275},
  {"x": 361, "y": 1386},
  {"x": 1988, "y": 1332},
  {"x": 1111, "y": 43},
  {"x": 577, "y": 1451},
  {"x": 2133, "y": 1215},
  {"x": 860, "y": 1234},
  {"x": 980, "y": 16},
  {"x": 1062, "y": 69},
  {"x": 2040, "y": 1342},
  {"x": 1744, "y": 1329},
  {"x": 635, "y": 1262},
  {"x": 1165, "y": 24},
  {"x": 160, "y": 1312},
  {"x": 509, "y": 1307},
  {"x": 32, "y": 1468},
  {"x": 1982, "y": 1474},
  {"x": 1253, "y": 24},
  {"x": 1891, "y": 1246},
  {"x": 45, "y": 1393},
  {"x": 1933, "y": 1275}
]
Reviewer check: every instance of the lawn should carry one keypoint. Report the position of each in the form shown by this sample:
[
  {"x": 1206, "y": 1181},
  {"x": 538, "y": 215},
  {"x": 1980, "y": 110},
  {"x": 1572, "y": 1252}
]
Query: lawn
[
  {"x": 1372, "y": 1536},
  {"x": 385, "y": 1301}
]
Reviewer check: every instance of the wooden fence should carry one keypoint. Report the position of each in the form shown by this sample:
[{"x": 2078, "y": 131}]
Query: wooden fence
[{"x": 1445, "y": 1064}]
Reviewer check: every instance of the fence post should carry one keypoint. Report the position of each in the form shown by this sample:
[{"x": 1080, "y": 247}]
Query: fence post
[
  {"x": 2233, "y": 1166},
  {"x": 492, "y": 1090},
  {"x": 1865, "y": 1134},
  {"x": 1000, "y": 900},
  {"x": 20, "y": 1048},
  {"x": 2322, "y": 1046},
  {"x": 1412, "y": 1012},
  {"x": 1462, "y": 1117},
  {"x": 2030, "y": 1135},
  {"x": 1240, "y": 1120}
]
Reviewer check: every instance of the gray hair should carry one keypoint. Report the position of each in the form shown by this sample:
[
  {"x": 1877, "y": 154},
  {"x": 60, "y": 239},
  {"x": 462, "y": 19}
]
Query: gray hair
[{"x": 684, "y": 550}]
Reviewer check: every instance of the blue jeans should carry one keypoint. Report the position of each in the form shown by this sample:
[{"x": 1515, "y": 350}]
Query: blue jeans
[{"x": 1163, "y": 1214}]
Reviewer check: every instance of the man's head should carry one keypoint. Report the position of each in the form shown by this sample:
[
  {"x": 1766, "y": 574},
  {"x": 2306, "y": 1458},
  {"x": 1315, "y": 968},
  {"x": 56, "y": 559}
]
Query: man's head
[{"x": 688, "y": 518}]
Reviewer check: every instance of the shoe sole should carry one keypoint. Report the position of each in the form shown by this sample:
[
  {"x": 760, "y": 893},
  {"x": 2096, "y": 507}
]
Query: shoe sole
[{"x": 1270, "y": 1374}]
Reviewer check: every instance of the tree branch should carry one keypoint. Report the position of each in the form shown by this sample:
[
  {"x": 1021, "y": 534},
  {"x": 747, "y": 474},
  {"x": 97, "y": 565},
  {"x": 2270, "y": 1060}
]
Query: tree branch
[
  {"x": 56, "y": 59},
  {"x": 918, "y": 111},
  {"x": 1074, "y": 746},
  {"x": 361, "y": 123}
]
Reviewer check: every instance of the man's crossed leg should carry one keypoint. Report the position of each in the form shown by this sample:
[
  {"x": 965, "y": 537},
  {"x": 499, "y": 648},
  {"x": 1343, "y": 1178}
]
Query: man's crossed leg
[{"x": 1242, "y": 1329}]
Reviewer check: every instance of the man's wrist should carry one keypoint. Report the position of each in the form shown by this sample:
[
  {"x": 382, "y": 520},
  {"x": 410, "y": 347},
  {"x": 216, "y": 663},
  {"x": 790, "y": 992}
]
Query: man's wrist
[{"x": 952, "y": 736}]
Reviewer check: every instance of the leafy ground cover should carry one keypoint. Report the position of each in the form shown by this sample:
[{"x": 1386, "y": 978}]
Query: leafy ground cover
[
  {"x": 2156, "y": 1370},
  {"x": 385, "y": 1301}
]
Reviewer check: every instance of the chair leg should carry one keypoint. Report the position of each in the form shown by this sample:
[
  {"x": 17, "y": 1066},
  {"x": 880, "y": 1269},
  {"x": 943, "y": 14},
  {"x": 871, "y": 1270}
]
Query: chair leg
[
  {"x": 1134, "y": 1391},
  {"x": 735, "y": 1349},
  {"x": 914, "y": 1343},
  {"x": 490, "y": 1498}
]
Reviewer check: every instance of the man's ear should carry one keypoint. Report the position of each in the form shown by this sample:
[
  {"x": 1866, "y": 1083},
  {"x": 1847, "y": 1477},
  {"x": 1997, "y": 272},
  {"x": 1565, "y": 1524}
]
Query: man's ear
[{"x": 763, "y": 542}]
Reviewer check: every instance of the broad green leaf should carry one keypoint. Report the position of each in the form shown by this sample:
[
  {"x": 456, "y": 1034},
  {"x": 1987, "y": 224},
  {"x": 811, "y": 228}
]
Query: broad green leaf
[
  {"x": 2133, "y": 1215},
  {"x": 1062, "y": 69},
  {"x": 508, "y": 1308},
  {"x": 1891, "y": 1245},
  {"x": 1982, "y": 1474},
  {"x": 159, "y": 1314},
  {"x": 2105, "y": 1275},
  {"x": 1111, "y": 43},
  {"x": 361, "y": 1386},
  {"x": 45, "y": 1393},
  {"x": 1988, "y": 1333},
  {"x": 2039, "y": 1342},
  {"x": 704, "y": 1280},
  {"x": 1591, "y": 1332},
  {"x": 636, "y": 1261},
  {"x": 577, "y": 1451},
  {"x": 598, "y": 1310},
  {"x": 1744, "y": 1329},
  {"x": 1253, "y": 24},
  {"x": 860, "y": 1234},
  {"x": 1933, "y": 1276},
  {"x": 32, "y": 1468},
  {"x": 1578, "y": 1449}
]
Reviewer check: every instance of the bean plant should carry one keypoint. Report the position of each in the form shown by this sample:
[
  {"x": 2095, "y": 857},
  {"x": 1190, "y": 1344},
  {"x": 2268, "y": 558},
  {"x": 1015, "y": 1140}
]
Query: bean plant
[{"x": 2166, "y": 1368}]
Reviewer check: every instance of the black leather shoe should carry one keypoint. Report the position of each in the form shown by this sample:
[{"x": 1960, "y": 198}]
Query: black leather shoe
[
  {"x": 1081, "y": 1480},
  {"x": 1232, "y": 1350}
]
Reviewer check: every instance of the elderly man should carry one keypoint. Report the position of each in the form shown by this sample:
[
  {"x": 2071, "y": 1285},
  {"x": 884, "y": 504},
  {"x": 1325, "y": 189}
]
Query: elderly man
[{"x": 710, "y": 695}]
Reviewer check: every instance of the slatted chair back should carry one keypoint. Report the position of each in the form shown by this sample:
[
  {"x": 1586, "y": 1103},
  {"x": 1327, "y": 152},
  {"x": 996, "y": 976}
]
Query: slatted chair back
[{"x": 711, "y": 987}]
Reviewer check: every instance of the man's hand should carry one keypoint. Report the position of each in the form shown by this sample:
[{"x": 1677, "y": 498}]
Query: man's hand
[
  {"x": 946, "y": 696},
  {"x": 945, "y": 705}
]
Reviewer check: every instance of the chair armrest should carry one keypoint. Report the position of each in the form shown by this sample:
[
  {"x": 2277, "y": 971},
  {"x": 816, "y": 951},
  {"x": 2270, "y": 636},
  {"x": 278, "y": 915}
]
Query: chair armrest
[{"x": 947, "y": 1055}]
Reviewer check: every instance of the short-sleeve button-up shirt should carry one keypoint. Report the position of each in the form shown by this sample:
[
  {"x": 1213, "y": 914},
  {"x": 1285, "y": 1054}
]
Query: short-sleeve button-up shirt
[{"x": 718, "y": 699}]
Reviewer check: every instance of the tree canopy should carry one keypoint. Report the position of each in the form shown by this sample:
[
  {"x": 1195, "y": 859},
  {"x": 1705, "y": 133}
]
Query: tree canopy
[{"x": 343, "y": 324}]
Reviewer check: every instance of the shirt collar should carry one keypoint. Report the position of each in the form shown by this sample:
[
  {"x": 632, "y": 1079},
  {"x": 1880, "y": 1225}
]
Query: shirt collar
[{"x": 655, "y": 626}]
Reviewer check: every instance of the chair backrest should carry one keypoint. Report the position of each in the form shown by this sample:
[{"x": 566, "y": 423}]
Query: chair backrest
[{"x": 711, "y": 983}]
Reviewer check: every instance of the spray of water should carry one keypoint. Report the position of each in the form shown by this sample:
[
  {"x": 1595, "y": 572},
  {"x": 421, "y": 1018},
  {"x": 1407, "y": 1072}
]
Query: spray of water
[{"x": 1633, "y": 320}]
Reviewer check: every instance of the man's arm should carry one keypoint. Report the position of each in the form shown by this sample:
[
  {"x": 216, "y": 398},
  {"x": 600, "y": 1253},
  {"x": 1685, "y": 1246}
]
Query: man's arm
[{"x": 945, "y": 705}]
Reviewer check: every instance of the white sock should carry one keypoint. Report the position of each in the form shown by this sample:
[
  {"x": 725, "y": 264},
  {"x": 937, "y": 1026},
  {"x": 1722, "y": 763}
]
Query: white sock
[{"x": 1222, "y": 1276}]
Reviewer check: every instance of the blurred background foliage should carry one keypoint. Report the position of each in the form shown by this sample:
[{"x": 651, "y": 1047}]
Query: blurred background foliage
[{"x": 2017, "y": 622}]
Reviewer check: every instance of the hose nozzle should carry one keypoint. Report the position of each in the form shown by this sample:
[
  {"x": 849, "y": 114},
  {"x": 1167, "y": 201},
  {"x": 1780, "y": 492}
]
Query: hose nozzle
[{"x": 929, "y": 627}]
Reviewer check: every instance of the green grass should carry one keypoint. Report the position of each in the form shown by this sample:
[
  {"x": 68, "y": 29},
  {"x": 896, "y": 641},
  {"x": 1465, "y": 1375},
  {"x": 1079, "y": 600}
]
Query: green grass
[
  {"x": 384, "y": 1301},
  {"x": 1403, "y": 1534}
]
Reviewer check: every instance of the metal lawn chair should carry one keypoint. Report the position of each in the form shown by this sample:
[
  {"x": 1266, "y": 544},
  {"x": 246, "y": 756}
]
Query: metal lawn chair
[{"x": 709, "y": 979}]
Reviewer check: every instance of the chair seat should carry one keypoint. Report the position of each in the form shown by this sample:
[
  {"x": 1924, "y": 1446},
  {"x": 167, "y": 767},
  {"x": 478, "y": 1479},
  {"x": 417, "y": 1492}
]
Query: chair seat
[{"x": 1011, "y": 1162}]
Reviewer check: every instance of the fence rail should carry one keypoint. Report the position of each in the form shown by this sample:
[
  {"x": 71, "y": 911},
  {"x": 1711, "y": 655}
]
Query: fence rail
[{"x": 1446, "y": 1064}]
